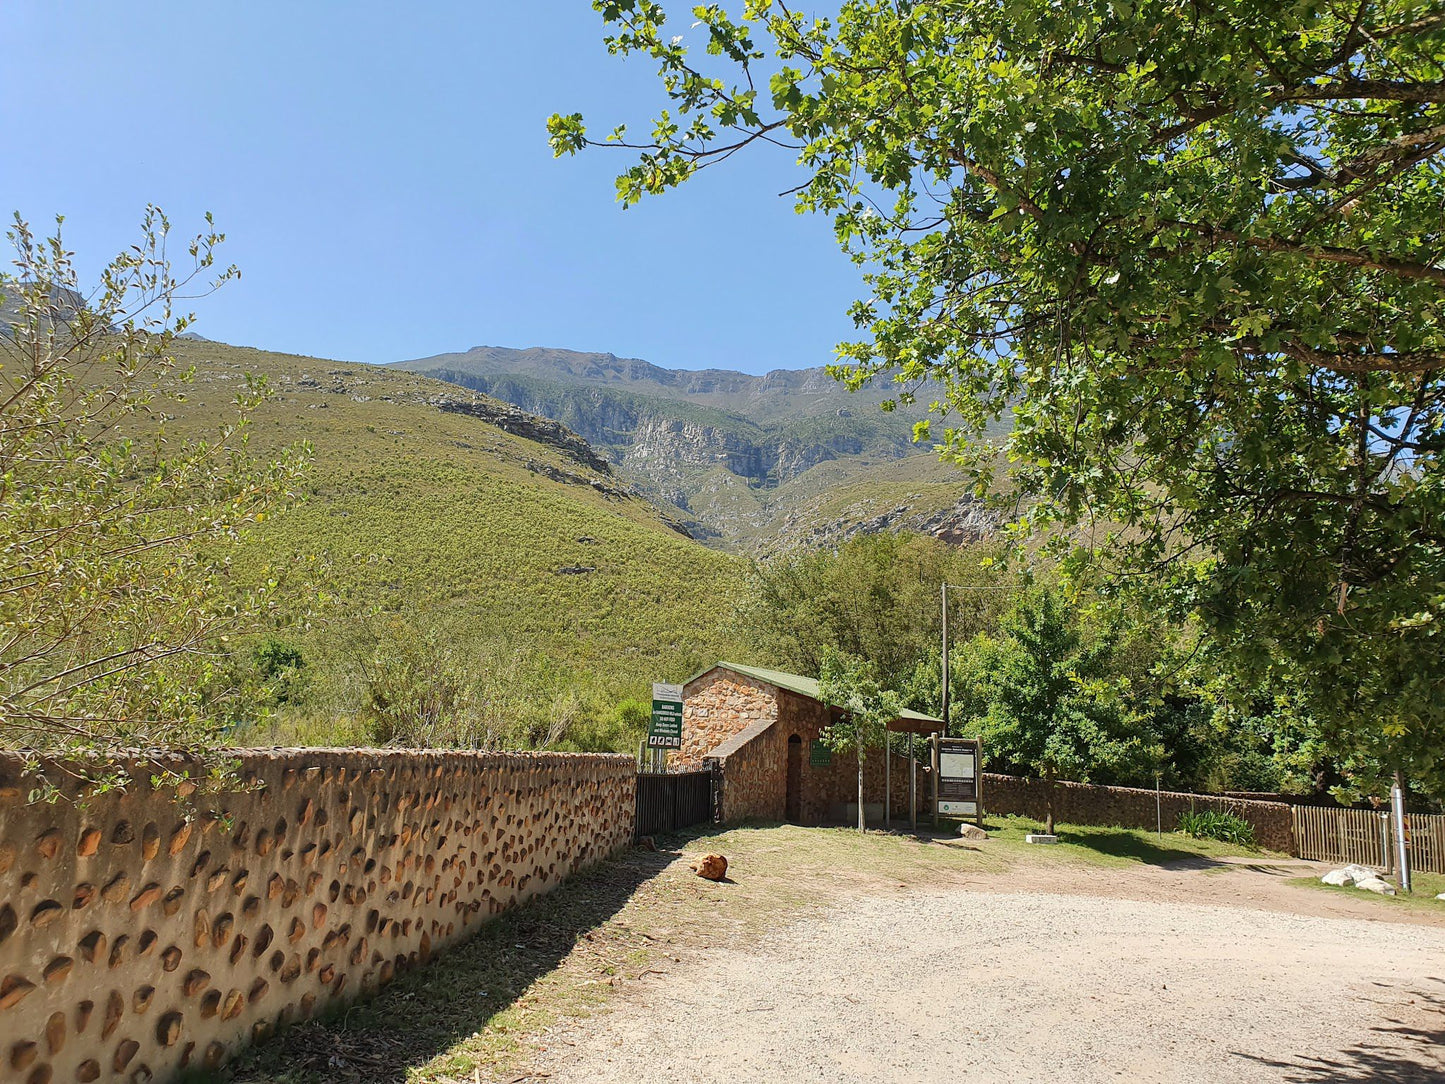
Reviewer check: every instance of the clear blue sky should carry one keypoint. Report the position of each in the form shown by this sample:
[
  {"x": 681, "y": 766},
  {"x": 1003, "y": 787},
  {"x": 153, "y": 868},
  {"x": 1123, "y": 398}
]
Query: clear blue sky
[{"x": 383, "y": 176}]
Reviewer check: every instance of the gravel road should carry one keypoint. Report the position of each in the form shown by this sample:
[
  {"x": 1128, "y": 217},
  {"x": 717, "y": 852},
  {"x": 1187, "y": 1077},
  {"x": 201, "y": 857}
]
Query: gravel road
[{"x": 1033, "y": 986}]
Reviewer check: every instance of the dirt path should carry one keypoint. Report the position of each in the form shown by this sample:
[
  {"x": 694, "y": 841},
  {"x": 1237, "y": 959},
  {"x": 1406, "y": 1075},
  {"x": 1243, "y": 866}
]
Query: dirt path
[{"x": 1219, "y": 972}]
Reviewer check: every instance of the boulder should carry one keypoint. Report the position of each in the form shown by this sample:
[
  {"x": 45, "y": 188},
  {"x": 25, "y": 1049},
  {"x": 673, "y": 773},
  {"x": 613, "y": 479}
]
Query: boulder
[
  {"x": 1441, "y": 896},
  {"x": 971, "y": 831},
  {"x": 712, "y": 866},
  {"x": 1375, "y": 884},
  {"x": 1339, "y": 877}
]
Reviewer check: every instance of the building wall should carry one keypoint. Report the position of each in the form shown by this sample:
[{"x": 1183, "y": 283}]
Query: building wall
[
  {"x": 1130, "y": 807},
  {"x": 716, "y": 707},
  {"x": 755, "y": 775},
  {"x": 140, "y": 934}
]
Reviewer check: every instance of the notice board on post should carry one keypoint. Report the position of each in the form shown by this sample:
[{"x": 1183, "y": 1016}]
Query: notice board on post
[
  {"x": 960, "y": 774},
  {"x": 666, "y": 729}
]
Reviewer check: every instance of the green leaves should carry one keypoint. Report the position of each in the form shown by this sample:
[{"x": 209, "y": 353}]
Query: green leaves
[
  {"x": 115, "y": 591},
  {"x": 1193, "y": 252}
]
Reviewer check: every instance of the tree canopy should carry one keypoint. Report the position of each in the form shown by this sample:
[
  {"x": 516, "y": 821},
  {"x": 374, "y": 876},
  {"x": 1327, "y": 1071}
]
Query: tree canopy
[
  {"x": 116, "y": 602},
  {"x": 1194, "y": 250}
]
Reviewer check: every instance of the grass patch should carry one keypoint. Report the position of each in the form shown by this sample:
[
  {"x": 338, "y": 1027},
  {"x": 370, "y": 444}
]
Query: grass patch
[
  {"x": 1114, "y": 847},
  {"x": 1422, "y": 899}
]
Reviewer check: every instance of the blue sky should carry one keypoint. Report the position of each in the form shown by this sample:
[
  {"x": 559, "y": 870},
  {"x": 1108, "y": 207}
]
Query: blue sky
[{"x": 382, "y": 173}]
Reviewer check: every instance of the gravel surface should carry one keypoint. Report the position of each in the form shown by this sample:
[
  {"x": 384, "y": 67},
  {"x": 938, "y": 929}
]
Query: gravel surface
[{"x": 1033, "y": 986}]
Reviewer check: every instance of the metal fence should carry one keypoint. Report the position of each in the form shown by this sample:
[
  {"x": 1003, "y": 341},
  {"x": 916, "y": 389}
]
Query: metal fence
[
  {"x": 676, "y": 800},
  {"x": 1364, "y": 837}
]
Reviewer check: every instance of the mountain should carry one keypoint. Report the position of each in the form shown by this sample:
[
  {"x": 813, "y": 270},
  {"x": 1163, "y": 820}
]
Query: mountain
[
  {"x": 749, "y": 462},
  {"x": 440, "y": 506}
]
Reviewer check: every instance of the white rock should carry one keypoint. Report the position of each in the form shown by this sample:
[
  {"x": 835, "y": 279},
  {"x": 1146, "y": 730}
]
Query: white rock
[
  {"x": 1441, "y": 896},
  {"x": 1359, "y": 873},
  {"x": 1338, "y": 877},
  {"x": 1039, "y": 837},
  {"x": 1374, "y": 884}
]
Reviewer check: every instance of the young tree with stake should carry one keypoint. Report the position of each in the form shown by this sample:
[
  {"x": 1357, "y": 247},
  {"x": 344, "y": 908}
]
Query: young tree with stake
[{"x": 848, "y": 682}]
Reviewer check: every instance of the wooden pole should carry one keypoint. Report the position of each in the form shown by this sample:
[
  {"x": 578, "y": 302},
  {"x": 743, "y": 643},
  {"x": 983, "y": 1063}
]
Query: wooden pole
[
  {"x": 887, "y": 781},
  {"x": 944, "y": 697},
  {"x": 933, "y": 760},
  {"x": 912, "y": 784}
]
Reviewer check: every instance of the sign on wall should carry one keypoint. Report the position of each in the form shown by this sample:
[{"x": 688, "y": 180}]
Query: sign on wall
[
  {"x": 666, "y": 729},
  {"x": 958, "y": 771},
  {"x": 819, "y": 755}
]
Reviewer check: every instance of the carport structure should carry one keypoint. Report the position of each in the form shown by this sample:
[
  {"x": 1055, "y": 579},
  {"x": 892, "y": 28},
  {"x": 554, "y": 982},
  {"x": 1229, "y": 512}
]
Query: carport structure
[{"x": 761, "y": 732}]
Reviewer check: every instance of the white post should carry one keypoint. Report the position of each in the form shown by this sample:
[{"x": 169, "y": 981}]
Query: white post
[{"x": 1402, "y": 852}]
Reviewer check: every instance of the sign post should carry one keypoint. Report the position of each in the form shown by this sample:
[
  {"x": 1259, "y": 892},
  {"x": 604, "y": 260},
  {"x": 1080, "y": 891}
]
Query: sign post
[
  {"x": 958, "y": 764},
  {"x": 665, "y": 732}
]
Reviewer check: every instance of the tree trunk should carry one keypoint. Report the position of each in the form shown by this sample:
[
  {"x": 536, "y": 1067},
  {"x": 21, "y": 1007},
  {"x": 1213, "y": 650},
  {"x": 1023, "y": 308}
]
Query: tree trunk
[{"x": 860, "y": 785}]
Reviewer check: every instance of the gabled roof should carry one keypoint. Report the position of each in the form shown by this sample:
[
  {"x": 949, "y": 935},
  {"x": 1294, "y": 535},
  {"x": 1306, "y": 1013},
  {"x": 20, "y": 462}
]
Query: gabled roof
[{"x": 797, "y": 683}]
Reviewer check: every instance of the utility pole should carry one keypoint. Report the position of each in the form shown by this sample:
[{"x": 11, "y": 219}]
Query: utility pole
[{"x": 945, "y": 658}]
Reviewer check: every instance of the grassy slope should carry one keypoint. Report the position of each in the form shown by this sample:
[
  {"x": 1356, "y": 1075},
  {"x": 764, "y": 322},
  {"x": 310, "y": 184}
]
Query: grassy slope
[{"x": 416, "y": 509}]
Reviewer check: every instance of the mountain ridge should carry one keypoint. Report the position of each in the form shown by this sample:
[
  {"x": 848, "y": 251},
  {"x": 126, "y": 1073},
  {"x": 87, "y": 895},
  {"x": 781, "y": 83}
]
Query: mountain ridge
[{"x": 738, "y": 455}]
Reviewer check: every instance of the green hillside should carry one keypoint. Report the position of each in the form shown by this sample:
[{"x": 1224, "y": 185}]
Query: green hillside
[{"x": 518, "y": 555}]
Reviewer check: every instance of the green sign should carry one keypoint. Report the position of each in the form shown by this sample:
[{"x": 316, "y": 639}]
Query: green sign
[
  {"x": 666, "y": 729},
  {"x": 819, "y": 755}
]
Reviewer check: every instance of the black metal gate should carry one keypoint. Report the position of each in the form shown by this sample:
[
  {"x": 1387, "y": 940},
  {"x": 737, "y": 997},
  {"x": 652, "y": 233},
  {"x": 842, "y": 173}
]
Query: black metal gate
[{"x": 676, "y": 800}]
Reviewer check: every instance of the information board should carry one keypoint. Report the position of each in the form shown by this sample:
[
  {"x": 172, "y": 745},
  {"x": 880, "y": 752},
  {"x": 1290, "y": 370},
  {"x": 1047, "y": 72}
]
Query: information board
[
  {"x": 819, "y": 755},
  {"x": 666, "y": 729},
  {"x": 958, "y": 777}
]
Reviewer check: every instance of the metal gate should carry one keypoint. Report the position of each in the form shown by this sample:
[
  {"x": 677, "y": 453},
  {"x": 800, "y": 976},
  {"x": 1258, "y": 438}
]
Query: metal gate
[
  {"x": 1365, "y": 837},
  {"x": 675, "y": 800}
]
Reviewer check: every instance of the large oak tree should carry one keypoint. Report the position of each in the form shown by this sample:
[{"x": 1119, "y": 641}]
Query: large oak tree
[{"x": 1195, "y": 248}]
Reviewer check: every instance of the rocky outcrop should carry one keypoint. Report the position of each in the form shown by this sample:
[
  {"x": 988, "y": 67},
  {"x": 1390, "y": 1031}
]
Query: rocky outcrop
[
  {"x": 518, "y": 422},
  {"x": 969, "y": 520}
]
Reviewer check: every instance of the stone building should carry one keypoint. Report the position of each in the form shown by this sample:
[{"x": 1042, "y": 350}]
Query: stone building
[{"x": 761, "y": 729}]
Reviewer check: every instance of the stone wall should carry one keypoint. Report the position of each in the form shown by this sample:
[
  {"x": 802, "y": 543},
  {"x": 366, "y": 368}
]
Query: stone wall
[
  {"x": 141, "y": 934},
  {"x": 717, "y": 706},
  {"x": 1130, "y": 807},
  {"x": 754, "y": 766}
]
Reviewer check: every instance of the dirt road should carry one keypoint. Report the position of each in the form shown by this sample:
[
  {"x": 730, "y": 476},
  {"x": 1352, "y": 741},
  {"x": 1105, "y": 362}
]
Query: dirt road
[{"x": 1099, "y": 978}]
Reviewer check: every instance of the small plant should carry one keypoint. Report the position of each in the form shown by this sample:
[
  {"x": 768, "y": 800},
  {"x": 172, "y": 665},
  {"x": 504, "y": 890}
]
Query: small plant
[{"x": 1212, "y": 824}]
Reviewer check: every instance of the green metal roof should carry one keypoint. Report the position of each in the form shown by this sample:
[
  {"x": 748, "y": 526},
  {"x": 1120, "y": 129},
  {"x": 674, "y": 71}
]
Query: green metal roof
[{"x": 803, "y": 686}]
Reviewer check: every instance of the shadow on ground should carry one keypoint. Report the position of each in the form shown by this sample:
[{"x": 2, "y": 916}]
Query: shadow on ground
[
  {"x": 425, "y": 1012},
  {"x": 1124, "y": 844},
  {"x": 1396, "y": 1052}
]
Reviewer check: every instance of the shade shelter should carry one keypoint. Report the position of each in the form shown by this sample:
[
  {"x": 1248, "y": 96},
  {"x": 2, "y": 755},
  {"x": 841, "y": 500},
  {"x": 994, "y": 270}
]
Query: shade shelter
[{"x": 761, "y": 730}]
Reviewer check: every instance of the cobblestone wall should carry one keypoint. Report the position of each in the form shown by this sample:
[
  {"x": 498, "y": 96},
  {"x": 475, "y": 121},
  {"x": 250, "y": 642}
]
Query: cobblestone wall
[
  {"x": 140, "y": 935},
  {"x": 718, "y": 707},
  {"x": 1130, "y": 807}
]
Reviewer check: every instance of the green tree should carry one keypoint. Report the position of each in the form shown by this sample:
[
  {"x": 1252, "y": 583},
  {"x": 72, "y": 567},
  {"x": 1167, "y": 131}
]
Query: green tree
[
  {"x": 850, "y": 683},
  {"x": 1194, "y": 250},
  {"x": 1045, "y": 699},
  {"x": 116, "y": 603},
  {"x": 875, "y": 597}
]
